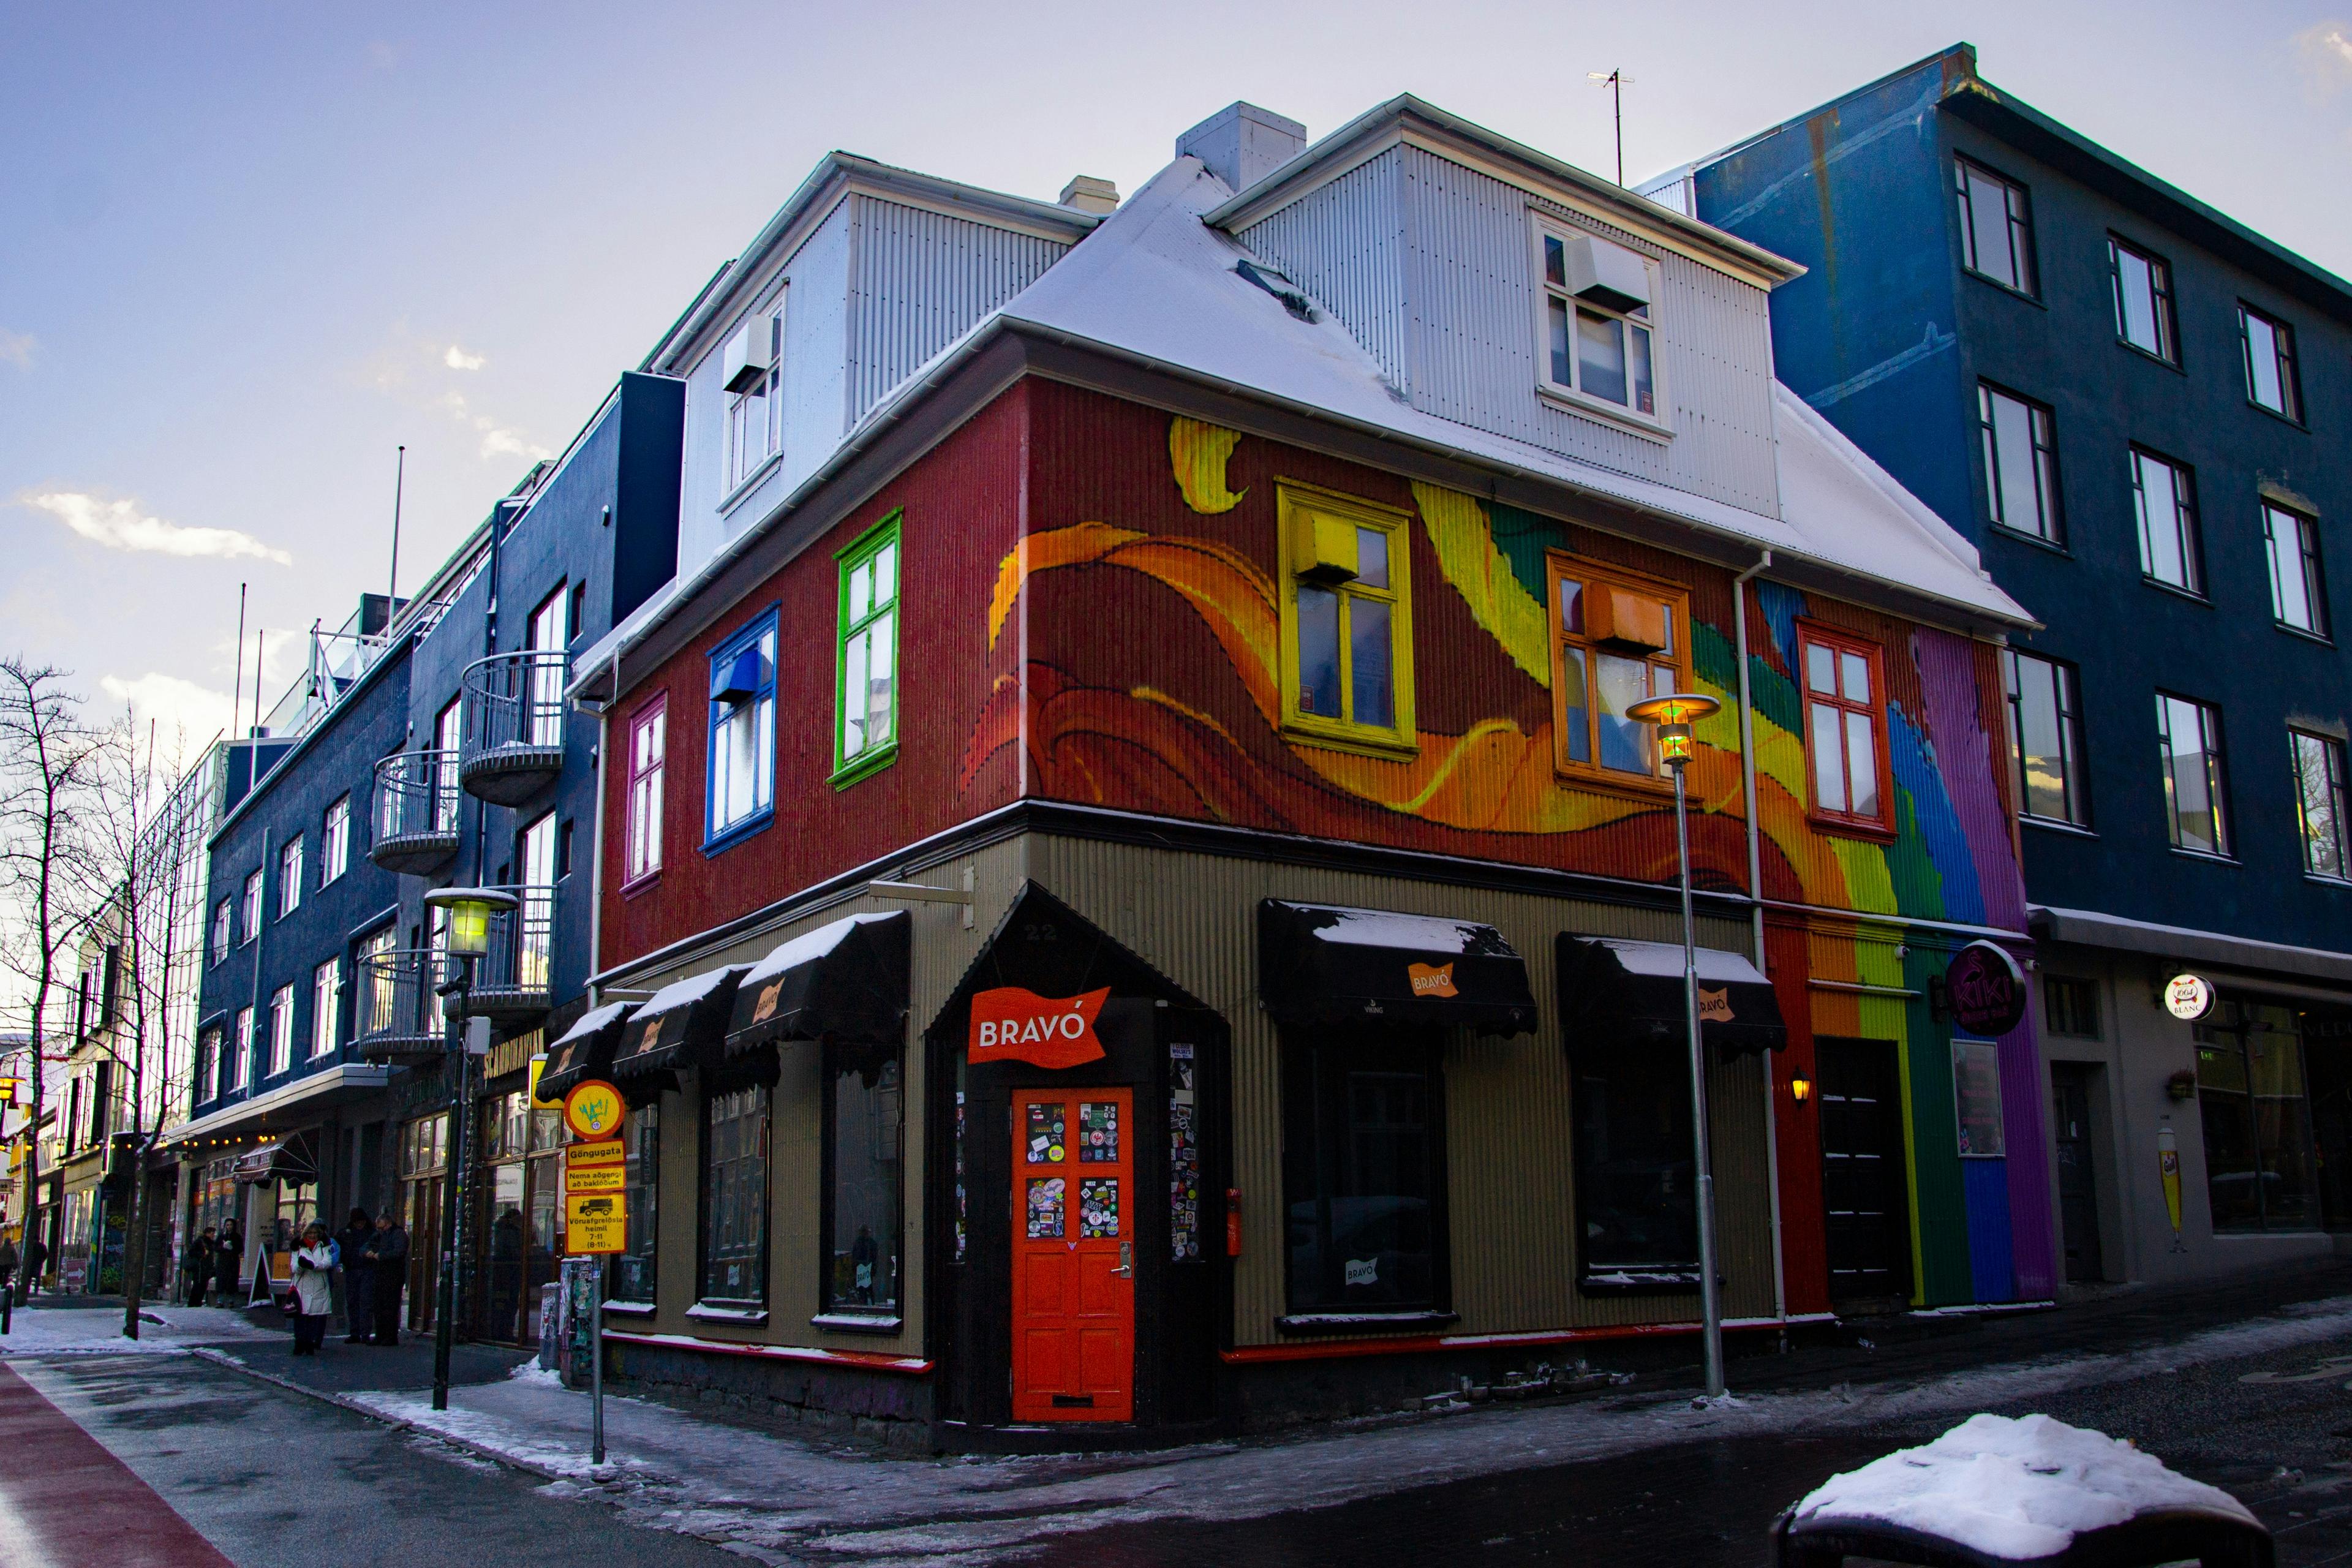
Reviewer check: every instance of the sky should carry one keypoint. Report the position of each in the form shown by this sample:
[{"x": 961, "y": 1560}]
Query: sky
[{"x": 248, "y": 252}]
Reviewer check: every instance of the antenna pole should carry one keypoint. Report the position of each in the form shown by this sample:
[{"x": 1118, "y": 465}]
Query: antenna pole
[
  {"x": 260, "y": 641},
  {"x": 237, "y": 692},
  {"x": 1617, "y": 112},
  {"x": 392, "y": 591}
]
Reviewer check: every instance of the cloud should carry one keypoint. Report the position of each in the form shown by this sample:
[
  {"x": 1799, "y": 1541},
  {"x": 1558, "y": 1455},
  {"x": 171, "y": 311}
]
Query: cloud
[
  {"x": 17, "y": 348},
  {"x": 122, "y": 525},
  {"x": 410, "y": 366},
  {"x": 179, "y": 708},
  {"x": 458, "y": 359},
  {"x": 498, "y": 441},
  {"x": 2326, "y": 51}
]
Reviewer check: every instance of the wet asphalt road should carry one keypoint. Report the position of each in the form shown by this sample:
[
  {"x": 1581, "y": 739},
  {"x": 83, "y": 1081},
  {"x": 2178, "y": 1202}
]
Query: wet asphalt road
[{"x": 277, "y": 1480}]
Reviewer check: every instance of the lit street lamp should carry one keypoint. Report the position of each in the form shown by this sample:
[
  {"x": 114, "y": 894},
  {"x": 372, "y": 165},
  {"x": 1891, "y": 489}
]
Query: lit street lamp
[
  {"x": 1673, "y": 716},
  {"x": 468, "y": 912}
]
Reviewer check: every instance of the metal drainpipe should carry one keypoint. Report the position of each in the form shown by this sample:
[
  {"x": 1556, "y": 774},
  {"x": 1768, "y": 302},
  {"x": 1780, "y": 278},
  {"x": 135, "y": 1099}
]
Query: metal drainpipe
[
  {"x": 1756, "y": 915},
  {"x": 596, "y": 853}
]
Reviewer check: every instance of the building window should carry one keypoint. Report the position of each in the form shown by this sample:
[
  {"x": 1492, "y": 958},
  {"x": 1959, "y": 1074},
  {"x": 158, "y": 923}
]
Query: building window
[
  {"x": 326, "y": 1006},
  {"x": 335, "y": 841},
  {"x": 281, "y": 1030},
  {"x": 376, "y": 1007},
  {"x": 2165, "y": 494},
  {"x": 642, "y": 850},
  {"x": 2143, "y": 300},
  {"x": 735, "y": 1196},
  {"x": 1364, "y": 1174},
  {"x": 1845, "y": 710},
  {"x": 865, "y": 1164},
  {"x": 1615, "y": 640},
  {"x": 1347, "y": 621},
  {"x": 251, "y": 912},
  {"x": 755, "y": 412},
  {"x": 2319, "y": 806},
  {"x": 290, "y": 877},
  {"x": 2261, "y": 1173},
  {"x": 2298, "y": 593},
  {"x": 223, "y": 915},
  {"x": 866, "y": 672},
  {"x": 1635, "y": 1214},
  {"x": 633, "y": 1271},
  {"x": 2045, "y": 738},
  {"x": 1996, "y": 227},
  {"x": 2271, "y": 377},
  {"x": 240, "y": 1065},
  {"x": 203, "y": 1085},
  {"x": 743, "y": 729},
  {"x": 2020, "y": 454},
  {"x": 2071, "y": 1007},
  {"x": 2188, "y": 735},
  {"x": 1597, "y": 324}
]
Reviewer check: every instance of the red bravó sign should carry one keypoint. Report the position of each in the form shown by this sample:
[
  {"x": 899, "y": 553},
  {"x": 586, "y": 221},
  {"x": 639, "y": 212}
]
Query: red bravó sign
[{"x": 1011, "y": 1024}]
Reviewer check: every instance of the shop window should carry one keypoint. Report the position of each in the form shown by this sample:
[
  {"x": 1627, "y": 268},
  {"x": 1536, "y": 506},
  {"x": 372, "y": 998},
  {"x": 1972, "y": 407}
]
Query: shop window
[
  {"x": 2298, "y": 592},
  {"x": 1616, "y": 640},
  {"x": 1976, "y": 1099},
  {"x": 1637, "y": 1218},
  {"x": 1347, "y": 622},
  {"x": 742, "y": 751},
  {"x": 2021, "y": 458},
  {"x": 1996, "y": 227},
  {"x": 326, "y": 1006},
  {"x": 2164, "y": 494},
  {"x": 2272, "y": 380},
  {"x": 735, "y": 1196},
  {"x": 1845, "y": 726},
  {"x": 2319, "y": 802},
  {"x": 2261, "y": 1172},
  {"x": 865, "y": 1173},
  {"x": 632, "y": 1272},
  {"x": 1364, "y": 1174},
  {"x": 2071, "y": 1007},
  {"x": 335, "y": 840},
  {"x": 2045, "y": 738},
  {"x": 2189, "y": 738},
  {"x": 647, "y": 734},
  {"x": 2142, "y": 283},
  {"x": 866, "y": 673},
  {"x": 1597, "y": 324}
]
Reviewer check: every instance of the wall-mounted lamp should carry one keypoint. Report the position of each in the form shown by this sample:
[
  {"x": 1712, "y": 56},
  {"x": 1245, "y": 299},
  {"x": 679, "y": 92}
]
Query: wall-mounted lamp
[{"x": 1801, "y": 1088}]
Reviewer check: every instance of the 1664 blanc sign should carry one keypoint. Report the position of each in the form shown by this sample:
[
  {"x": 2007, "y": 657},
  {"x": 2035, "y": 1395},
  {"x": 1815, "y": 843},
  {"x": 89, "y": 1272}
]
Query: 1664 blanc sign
[
  {"x": 2188, "y": 998},
  {"x": 1985, "y": 989},
  {"x": 1012, "y": 1024}
]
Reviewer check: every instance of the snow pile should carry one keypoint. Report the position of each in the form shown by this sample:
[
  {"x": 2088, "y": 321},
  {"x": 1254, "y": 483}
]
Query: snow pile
[
  {"x": 98, "y": 1330},
  {"x": 2016, "y": 1487}
]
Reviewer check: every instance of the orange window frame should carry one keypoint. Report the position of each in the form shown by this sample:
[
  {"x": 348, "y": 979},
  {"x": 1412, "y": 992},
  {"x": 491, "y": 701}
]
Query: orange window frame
[
  {"x": 1842, "y": 645},
  {"x": 1673, "y": 663}
]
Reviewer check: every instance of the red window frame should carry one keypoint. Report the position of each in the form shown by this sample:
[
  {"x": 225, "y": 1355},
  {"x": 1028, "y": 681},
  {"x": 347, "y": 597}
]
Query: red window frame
[
  {"x": 641, "y": 841},
  {"x": 1810, "y": 634}
]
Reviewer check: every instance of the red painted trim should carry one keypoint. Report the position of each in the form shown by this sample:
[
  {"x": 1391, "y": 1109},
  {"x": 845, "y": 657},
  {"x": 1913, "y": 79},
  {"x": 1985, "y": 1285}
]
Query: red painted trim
[
  {"x": 1331, "y": 1349},
  {"x": 872, "y": 1361}
]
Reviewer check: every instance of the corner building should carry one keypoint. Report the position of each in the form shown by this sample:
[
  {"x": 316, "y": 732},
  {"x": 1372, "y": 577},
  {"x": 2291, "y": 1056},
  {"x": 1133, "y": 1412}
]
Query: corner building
[{"x": 1129, "y": 899}]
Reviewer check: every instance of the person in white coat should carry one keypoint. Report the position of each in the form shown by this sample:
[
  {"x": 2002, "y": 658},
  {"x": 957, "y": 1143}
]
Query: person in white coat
[{"x": 314, "y": 1291}]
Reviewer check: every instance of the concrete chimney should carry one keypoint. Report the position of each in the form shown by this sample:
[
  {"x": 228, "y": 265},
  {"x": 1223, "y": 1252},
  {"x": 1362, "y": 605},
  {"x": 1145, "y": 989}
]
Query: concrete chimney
[
  {"x": 1242, "y": 144},
  {"x": 1089, "y": 195}
]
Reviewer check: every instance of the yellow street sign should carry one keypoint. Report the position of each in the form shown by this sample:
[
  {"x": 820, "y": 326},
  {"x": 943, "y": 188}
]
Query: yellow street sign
[
  {"x": 594, "y": 1178},
  {"x": 604, "y": 1151},
  {"x": 595, "y": 1236},
  {"x": 10, "y": 1088},
  {"x": 593, "y": 1109},
  {"x": 597, "y": 1222},
  {"x": 537, "y": 1065}
]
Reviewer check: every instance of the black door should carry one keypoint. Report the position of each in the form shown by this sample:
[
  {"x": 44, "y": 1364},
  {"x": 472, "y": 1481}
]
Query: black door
[
  {"x": 1866, "y": 1214},
  {"x": 2078, "y": 1193}
]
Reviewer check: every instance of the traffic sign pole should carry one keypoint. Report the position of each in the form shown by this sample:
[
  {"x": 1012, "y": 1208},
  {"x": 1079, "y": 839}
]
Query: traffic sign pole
[{"x": 596, "y": 1368}]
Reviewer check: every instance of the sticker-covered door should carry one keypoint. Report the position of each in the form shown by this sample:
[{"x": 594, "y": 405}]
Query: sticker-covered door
[{"x": 1073, "y": 1255}]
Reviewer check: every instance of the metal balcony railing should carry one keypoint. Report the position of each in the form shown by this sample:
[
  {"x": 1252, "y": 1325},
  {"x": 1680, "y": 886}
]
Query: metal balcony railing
[
  {"x": 513, "y": 740},
  {"x": 513, "y": 980},
  {"x": 396, "y": 1013},
  {"x": 415, "y": 811}
]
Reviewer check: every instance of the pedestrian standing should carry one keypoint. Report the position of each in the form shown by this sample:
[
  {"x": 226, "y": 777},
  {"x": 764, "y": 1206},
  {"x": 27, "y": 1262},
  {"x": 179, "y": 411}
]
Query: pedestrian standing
[
  {"x": 37, "y": 1262},
  {"x": 314, "y": 1294},
  {"x": 359, "y": 1276},
  {"x": 197, "y": 1265},
  {"x": 227, "y": 1262},
  {"x": 387, "y": 1255},
  {"x": 7, "y": 1262}
]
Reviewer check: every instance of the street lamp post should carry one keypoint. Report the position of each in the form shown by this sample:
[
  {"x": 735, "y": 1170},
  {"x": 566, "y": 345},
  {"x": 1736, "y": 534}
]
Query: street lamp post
[
  {"x": 468, "y": 910},
  {"x": 1673, "y": 716}
]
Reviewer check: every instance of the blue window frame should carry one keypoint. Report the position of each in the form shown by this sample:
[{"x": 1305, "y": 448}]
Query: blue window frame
[{"x": 740, "y": 777}]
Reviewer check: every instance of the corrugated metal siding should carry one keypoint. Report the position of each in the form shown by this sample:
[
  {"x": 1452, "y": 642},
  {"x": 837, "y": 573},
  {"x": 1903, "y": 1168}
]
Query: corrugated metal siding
[
  {"x": 919, "y": 280},
  {"x": 1344, "y": 243}
]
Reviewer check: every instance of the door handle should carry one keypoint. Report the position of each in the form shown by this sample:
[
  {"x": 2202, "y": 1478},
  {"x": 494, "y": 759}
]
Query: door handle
[{"x": 1125, "y": 1269}]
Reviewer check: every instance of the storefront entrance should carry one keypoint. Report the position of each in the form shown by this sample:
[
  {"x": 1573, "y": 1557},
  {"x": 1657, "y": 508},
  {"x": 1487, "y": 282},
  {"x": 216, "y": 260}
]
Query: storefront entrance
[
  {"x": 2071, "y": 1088},
  {"x": 1073, "y": 1255},
  {"x": 424, "y": 1161},
  {"x": 1863, "y": 1193}
]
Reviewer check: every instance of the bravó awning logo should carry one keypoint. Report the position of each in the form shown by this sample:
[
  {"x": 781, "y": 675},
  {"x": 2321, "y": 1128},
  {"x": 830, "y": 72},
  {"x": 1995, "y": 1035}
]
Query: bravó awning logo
[
  {"x": 1012, "y": 1024},
  {"x": 1432, "y": 979}
]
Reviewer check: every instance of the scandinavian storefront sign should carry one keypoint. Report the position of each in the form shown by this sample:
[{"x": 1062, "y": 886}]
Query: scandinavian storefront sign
[
  {"x": 2188, "y": 998},
  {"x": 1985, "y": 989},
  {"x": 1011, "y": 1023}
]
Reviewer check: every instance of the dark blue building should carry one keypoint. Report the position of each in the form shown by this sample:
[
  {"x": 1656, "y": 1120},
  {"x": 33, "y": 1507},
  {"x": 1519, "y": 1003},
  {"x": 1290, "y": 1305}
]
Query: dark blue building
[
  {"x": 2128, "y": 401},
  {"x": 428, "y": 747}
]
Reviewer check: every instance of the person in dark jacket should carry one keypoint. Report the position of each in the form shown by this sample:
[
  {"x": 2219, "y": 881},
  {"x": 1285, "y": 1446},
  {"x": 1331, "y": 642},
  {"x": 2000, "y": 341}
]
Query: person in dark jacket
[
  {"x": 387, "y": 1256},
  {"x": 358, "y": 1278},
  {"x": 197, "y": 1265},
  {"x": 37, "y": 1263},
  {"x": 228, "y": 1261}
]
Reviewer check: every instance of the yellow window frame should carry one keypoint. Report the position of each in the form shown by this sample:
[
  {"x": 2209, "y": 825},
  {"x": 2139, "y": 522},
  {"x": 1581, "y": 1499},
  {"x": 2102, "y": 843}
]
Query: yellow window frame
[{"x": 1299, "y": 507}]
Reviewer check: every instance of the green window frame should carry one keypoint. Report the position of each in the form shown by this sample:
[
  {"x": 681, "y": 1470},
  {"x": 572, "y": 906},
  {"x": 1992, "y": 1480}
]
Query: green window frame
[{"x": 866, "y": 654}]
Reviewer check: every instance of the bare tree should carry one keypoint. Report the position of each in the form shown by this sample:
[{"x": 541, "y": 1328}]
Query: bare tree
[{"x": 49, "y": 762}]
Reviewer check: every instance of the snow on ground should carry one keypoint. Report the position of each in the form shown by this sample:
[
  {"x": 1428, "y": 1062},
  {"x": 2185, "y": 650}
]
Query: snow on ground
[
  {"x": 774, "y": 1497},
  {"x": 98, "y": 1330}
]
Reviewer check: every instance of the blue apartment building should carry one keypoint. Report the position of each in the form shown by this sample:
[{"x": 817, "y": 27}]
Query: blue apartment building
[
  {"x": 2127, "y": 401},
  {"x": 428, "y": 744}
]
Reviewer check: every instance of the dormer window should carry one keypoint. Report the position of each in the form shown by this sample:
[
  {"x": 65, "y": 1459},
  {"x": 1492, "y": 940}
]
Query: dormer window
[
  {"x": 752, "y": 370},
  {"x": 1597, "y": 324}
]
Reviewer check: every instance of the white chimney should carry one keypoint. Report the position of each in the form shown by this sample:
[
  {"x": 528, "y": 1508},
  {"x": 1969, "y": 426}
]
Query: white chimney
[
  {"x": 1089, "y": 195},
  {"x": 1242, "y": 144}
]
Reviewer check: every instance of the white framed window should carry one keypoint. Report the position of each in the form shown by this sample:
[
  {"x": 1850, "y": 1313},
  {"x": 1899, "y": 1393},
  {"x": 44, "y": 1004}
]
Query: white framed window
[
  {"x": 223, "y": 917},
  {"x": 754, "y": 395},
  {"x": 1597, "y": 330},
  {"x": 326, "y": 1006},
  {"x": 281, "y": 1029},
  {"x": 240, "y": 1067},
  {"x": 251, "y": 912},
  {"x": 290, "y": 877},
  {"x": 647, "y": 733},
  {"x": 335, "y": 841},
  {"x": 2298, "y": 592}
]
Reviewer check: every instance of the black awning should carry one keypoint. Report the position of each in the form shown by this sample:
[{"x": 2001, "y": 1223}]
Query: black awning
[
  {"x": 1319, "y": 965},
  {"x": 846, "y": 981},
  {"x": 1616, "y": 993},
  {"x": 680, "y": 1024},
  {"x": 283, "y": 1159},
  {"x": 585, "y": 1051}
]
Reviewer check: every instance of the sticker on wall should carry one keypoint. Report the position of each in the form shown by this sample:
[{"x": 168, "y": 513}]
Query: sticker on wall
[
  {"x": 1044, "y": 1208},
  {"x": 1098, "y": 1133},
  {"x": 1045, "y": 1125},
  {"x": 1183, "y": 1159},
  {"x": 1098, "y": 1206},
  {"x": 1010, "y": 1024},
  {"x": 1363, "y": 1271},
  {"x": 961, "y": 1216}
]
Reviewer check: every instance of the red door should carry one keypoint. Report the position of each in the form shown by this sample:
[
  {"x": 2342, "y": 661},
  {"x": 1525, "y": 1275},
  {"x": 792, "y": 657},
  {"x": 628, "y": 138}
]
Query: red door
[{"x": 1073, "y": 1255}]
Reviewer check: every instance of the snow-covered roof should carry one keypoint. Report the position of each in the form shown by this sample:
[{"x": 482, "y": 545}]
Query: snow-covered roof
[
  {"x": 2021, "y": 1487},
  {"x": 811, "y": 945},
  {"x": 1387, "y": 928},
  {"x": 586, "y": 1025},
  {"x": 1665, "y": 959},
  {"x": 686, "y": 991}
]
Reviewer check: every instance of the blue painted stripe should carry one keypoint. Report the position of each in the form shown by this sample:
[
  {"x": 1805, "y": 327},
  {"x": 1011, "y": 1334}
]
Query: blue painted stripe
[{"x": 1993, "y": 1266}]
